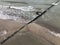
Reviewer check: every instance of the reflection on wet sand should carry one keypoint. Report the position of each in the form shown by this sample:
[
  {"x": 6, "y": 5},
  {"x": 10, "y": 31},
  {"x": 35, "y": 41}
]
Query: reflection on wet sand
[{"x": 33, "y": 34}]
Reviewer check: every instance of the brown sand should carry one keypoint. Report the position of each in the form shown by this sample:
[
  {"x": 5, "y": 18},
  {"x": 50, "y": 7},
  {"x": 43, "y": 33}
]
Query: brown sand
[{"x": 33, "y": 34}]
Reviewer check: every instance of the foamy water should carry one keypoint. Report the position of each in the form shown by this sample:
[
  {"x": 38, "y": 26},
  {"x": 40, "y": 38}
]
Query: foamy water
[
  {"x": 55, "y": 34},
  {"x": 28, "y": 8},
  {"x": 4, "y": 11}
]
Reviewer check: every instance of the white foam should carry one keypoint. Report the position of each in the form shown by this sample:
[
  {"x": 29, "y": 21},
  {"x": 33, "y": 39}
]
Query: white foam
[
  {"x": 55, "y": 34},
  {"x": 24, "y": 8}
]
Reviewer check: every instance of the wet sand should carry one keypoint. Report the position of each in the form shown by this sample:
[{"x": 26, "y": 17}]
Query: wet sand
[
  {"x": 33, "y": 34},
  {"x": 48, "y": 25}
]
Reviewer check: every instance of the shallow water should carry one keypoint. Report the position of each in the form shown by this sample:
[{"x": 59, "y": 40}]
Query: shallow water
[{"x": 50, "y": 20}]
